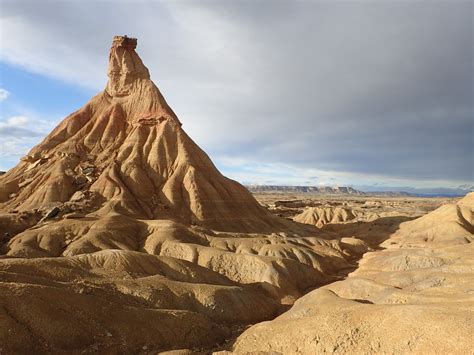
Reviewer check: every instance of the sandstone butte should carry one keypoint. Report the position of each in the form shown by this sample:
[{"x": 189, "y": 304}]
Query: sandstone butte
[{"x": 118, "y": 234}]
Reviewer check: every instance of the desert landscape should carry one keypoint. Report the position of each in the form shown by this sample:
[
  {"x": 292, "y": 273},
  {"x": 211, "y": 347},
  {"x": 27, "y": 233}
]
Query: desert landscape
[{"x": 118, "y": 234}]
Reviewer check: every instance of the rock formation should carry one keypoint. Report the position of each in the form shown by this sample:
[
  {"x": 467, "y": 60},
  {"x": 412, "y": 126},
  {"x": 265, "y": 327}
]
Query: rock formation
[
  {"x": 126, "y": 150},
  {"x": 416, "y": 296},
  {"x": 319, "y": 216}
]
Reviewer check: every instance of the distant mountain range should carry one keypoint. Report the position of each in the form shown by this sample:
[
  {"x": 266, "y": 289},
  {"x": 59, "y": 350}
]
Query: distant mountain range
[
  {"x": 338, "y": 190},
  {"x": 461, "y": 190},
  {"x": 466, "y": 187},
  {"x": 365, "y": 190}
]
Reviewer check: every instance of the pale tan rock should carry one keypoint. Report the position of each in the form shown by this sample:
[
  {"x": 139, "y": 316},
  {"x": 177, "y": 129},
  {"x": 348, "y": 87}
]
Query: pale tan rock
[
  {"x": 417, "y": 296},
  {"x": 129, "y": 146},
  {"x": 448, "y": 225},
  {"x": 319, "y": 216},
  {"x": 71, "y": 304}
]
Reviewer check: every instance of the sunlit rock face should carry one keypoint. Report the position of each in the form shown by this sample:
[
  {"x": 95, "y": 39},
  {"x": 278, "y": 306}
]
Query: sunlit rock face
[
  {"x": 125, "y": 67},
  {"x": 127, "y": 153}
]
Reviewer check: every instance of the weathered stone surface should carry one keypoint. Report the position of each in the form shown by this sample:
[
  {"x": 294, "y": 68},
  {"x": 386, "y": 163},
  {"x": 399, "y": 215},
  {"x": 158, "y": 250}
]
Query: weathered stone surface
[{"x": 416, "y": 296}]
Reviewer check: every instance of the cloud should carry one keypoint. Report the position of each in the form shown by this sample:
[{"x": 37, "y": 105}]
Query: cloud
[
  {"x": 15, "y": 121},
  {"x": 16, "y": 127},
  {"x": 4, "y": 94},
  {"x": 372, "y": 88},
  {"x": 255, "y": 173},
  {"x": 18, "y": 134}
]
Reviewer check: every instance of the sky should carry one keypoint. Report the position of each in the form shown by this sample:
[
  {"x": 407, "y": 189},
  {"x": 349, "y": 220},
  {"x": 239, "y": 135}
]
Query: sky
[{"x": 370, "y": 94}]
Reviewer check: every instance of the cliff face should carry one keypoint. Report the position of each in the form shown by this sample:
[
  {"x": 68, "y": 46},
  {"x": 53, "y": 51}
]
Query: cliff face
[
  {"x": 125, "y": 67},
  {"x": 125, "y": 150}
]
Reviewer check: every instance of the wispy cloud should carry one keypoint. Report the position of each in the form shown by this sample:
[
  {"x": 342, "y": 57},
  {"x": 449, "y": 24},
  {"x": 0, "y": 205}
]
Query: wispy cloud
[
  {"x": 19, "y": 127},
  {"x": 15, "y": 121},
  {"x": 18, "y": 134},
  {"x": 4, "y": 94}
]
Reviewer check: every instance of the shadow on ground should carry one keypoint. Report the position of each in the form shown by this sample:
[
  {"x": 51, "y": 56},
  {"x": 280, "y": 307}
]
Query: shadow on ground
[{"x": 373, "y": 233}]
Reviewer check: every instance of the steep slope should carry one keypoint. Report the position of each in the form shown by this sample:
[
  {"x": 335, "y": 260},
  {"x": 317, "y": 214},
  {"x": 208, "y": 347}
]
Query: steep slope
[
  {"x": 127, "y": 151},
  {"x": 416, "y": 296}
]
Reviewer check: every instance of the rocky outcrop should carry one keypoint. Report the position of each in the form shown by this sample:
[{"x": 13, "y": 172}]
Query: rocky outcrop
[
  {"x": 450, "y": 223},
  {"x": 319, "y": 216},
  {"x": 415, "y": 296},
  {"x": 127, "y": 147}
]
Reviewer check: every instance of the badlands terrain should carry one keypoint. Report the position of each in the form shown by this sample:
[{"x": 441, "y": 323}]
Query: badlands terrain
[{"x": 119, "y": 235}]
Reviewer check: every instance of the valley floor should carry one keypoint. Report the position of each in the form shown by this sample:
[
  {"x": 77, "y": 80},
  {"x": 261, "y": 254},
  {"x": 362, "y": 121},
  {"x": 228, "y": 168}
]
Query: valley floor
[{"x": 382, "y": 274}]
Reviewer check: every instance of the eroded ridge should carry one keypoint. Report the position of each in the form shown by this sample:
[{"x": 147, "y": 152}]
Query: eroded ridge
[{"x": 416, "y": 296}]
